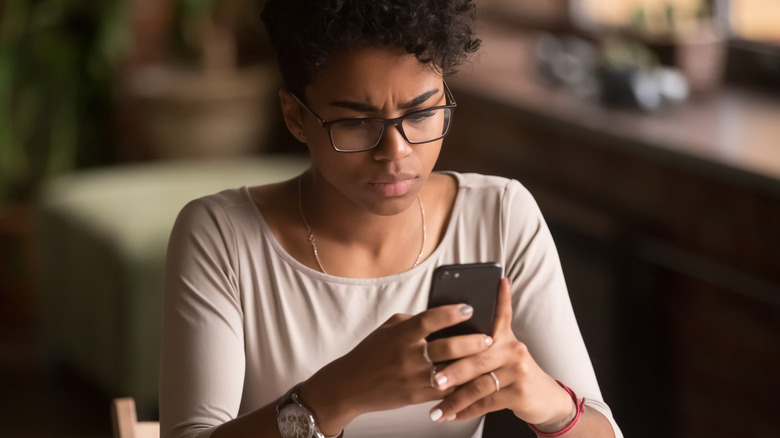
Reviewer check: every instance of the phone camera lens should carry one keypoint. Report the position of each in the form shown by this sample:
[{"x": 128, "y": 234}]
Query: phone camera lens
[{"x": 446, "y": 275}]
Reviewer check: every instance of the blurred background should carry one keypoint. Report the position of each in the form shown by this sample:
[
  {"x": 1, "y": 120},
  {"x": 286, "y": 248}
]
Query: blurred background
[{"x": 646, "y": 129}]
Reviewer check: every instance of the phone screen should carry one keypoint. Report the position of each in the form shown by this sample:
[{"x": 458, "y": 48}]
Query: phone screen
[{"x": 475, "y": 284}]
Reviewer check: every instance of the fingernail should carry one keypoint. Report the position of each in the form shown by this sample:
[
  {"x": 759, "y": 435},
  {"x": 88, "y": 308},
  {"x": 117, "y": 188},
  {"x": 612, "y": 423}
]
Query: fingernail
[
  {"x": 441, "y": 381},
  {"x": 436, "y": 414},
  {"x": 466, "y": 310},
  {"x": 488, "y": 340},
  {"x": 452, "y": 417}
]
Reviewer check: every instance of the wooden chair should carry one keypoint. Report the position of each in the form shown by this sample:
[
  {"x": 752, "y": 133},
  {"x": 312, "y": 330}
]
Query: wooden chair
[{"x": 126, "y": 424}]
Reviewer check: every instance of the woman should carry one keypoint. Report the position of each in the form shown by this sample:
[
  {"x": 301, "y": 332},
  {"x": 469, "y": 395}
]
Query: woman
[{"x": 298, "y": 308}]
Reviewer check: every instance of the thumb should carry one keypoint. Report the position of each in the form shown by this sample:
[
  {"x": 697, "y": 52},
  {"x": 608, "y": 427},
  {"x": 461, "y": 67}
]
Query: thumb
[{"x": 504, "y": 308}]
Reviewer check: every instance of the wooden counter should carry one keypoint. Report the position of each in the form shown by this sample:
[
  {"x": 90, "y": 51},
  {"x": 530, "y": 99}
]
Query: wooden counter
[
  {"x": 734, "y": 132},
  {"x": 668, "y": 226}
]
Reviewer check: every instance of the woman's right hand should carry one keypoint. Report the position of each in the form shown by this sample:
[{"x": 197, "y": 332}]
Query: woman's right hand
[{"x": 388, "y": 369}]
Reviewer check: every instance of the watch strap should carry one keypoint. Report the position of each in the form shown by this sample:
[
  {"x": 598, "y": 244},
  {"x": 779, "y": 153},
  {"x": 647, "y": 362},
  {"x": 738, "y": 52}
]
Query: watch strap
[{"x": 291, "y": 396}]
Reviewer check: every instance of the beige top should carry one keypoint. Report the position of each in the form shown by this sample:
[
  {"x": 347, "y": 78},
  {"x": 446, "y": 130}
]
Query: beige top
[{"x": 244, "y": 321}]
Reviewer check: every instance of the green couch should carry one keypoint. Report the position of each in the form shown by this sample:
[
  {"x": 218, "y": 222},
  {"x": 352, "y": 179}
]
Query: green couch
[{"x": 102, "y": 239}]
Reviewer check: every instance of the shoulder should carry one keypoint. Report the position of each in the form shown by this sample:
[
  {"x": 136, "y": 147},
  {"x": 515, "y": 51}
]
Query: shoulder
[
  {"x": 215, "y": 204},
  {"x": 218, "y": 214},
  {"x": 479, "y": 181},
  {"x": 497, "y": 203},
  {"x": 475, "y": 187}
]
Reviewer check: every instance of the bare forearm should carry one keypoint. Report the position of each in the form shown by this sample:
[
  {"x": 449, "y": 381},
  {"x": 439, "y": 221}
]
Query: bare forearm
[
  {"x": 591, "y": 424},
  {"x": 317, "y": 394},
  {"x": 330, "y": 406},
  {"x": 387, "y": 370}
]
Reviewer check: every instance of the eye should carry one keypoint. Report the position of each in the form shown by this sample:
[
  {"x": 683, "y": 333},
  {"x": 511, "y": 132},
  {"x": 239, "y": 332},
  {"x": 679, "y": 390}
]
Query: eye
[
  {"x": 421, "y": 116},
  {"x": 354, "y": 123}
]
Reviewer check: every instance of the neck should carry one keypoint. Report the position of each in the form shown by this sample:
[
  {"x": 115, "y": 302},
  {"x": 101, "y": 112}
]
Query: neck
[
  {"x": 347, "y": 220},
  {"x": 344, "y": 233}
]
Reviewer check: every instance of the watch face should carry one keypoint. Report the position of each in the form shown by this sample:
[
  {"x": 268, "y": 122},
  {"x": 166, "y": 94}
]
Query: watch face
[{"x": 294, "y": 422}]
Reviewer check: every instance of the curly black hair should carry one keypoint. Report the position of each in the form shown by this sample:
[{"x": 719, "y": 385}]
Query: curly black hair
[{"x": 305, "y": 33}]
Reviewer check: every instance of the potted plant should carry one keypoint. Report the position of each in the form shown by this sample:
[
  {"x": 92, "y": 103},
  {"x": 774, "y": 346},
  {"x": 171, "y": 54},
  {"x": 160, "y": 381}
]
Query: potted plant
[
  {"x": 688, "y": 37},
  {"x": 206, "y": 99},
  {"x": 57, "y": 65}
]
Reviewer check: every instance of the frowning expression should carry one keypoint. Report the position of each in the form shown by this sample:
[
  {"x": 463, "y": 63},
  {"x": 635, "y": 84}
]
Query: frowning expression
[{"x": 372, "y": 83}]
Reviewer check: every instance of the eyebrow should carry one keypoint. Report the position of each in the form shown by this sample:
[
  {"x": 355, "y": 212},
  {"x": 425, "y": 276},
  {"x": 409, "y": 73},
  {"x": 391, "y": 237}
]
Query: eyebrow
[{"x": 366, "y": 108}]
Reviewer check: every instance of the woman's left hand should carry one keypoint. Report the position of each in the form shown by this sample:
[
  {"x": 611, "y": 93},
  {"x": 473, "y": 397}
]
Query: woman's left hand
[{"x": 524, "y": 387}]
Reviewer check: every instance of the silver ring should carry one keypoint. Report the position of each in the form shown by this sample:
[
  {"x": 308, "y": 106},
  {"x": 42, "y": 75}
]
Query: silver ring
[
  {"x": 425, "y": 354},
  {"x": 433, "y": 377},
  {"x": 495, "y": 380}
]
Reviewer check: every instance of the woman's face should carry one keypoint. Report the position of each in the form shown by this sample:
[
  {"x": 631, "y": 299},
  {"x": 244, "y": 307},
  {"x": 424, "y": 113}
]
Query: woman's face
[{"x": 375, "y": 83}]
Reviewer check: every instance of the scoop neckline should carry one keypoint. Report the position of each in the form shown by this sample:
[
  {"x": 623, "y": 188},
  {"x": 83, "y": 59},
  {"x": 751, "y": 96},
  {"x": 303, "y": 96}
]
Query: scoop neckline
[{"x": 298, "y": 266}]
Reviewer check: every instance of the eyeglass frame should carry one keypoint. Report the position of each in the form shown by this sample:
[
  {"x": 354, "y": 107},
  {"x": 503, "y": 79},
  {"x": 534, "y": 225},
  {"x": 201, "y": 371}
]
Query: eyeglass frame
[{"x": 448, "y": 97}]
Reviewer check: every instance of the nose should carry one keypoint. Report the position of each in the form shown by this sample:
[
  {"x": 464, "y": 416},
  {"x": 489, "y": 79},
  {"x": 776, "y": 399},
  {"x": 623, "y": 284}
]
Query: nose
[{"x": 392, "y": 146}]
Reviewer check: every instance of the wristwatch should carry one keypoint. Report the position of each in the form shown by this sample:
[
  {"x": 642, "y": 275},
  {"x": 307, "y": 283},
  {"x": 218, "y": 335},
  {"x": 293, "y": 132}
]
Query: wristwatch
[{"x": 295, "y": 420}]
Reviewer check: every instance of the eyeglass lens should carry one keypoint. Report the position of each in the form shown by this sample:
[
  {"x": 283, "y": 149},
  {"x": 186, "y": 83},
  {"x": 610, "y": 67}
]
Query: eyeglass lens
[{"x": 418, "y": 127}]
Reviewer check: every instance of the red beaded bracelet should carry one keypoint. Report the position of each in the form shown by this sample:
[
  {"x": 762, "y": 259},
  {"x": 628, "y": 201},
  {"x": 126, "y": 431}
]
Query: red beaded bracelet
[{"x": 580, "y": 409}]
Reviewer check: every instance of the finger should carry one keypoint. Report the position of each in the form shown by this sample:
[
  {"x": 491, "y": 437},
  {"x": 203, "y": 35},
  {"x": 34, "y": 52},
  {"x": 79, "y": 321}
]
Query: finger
[
  {"x": 426, "y": 393},
  {"x": 468, "y": 368},
  {"x": 504, "y": 309},
  {"x": 491, "y": 403},
  {"x": 456, "y": 347},
  {"x": 431, "y": 320},
  {"x": 477, "y": 395},
  {"x": 397, "y": 318}
]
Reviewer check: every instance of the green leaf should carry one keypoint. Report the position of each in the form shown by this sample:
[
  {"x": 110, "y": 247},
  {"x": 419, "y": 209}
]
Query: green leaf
[{"x": 13, "y": 21}]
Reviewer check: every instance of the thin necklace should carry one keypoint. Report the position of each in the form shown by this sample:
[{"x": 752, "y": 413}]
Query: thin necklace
[{"x": 313, "y": 242}]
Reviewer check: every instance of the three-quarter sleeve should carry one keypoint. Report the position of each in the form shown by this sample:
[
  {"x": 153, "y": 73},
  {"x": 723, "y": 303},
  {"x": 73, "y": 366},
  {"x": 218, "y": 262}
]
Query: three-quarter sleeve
[
  {"x": 544, "y": 319},
  {"x": 202, "y": 360}
]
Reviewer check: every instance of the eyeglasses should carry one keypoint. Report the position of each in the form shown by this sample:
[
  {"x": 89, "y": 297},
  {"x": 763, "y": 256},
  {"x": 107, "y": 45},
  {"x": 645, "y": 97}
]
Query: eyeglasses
[{"x": 417, "y": 127}]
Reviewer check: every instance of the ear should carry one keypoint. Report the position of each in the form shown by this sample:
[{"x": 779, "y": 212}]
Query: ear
[{"x": 293, "y": 115}]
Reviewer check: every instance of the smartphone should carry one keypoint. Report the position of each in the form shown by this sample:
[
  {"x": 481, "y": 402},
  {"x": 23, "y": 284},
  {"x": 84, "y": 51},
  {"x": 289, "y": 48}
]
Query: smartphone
[{"x": 475, "y": 284}]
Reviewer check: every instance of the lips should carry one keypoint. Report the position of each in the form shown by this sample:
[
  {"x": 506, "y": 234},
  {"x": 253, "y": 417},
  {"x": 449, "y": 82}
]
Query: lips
[{"x": 393, "y": 185}]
